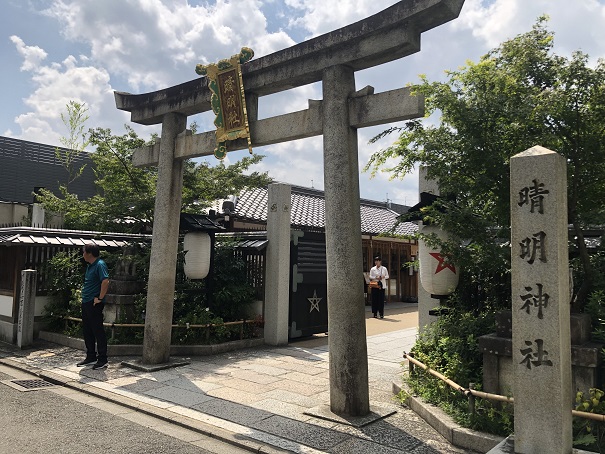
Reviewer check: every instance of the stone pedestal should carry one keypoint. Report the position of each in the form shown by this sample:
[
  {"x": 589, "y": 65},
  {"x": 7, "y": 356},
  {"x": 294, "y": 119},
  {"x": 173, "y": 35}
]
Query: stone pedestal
[
  {"x": 123, "y": 288},
  {"x": 119, "y": 307},
  {"x": 586, "y": 360}
]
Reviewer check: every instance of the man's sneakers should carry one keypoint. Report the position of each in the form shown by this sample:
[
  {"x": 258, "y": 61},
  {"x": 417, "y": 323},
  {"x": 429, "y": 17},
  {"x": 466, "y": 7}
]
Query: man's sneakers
[
  {"x": 96, "y": 364},
  {"x": 100, "y": 365},
  {"x": 87, "y": 362}
]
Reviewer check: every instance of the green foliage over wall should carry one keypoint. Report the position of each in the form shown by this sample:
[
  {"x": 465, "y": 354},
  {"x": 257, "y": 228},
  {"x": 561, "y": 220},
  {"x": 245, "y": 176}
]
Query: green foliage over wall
[{"x": 517, "y": 96}]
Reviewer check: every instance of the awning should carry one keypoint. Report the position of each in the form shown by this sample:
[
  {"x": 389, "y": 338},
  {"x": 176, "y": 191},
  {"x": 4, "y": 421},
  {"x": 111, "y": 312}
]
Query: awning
[
  {"x": 256, "y": 241},
  {"x": 13, "y": 236},
  {"x": 198, "y": 222}
]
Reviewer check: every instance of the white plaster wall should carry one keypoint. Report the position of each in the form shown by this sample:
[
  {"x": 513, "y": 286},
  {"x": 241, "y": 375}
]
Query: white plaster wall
[
  {"x": 12, "y": 213},
  {"x": 6, "y": 305},
  {"x": 40, "y": 303}
]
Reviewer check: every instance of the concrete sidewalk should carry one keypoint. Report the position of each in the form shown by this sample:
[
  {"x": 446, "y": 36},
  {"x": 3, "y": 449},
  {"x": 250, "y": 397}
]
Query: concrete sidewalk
[{"x": 257, "y": 398}]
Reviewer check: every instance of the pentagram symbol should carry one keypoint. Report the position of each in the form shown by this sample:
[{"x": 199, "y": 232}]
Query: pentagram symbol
[
  {"x": 314, "y": 301},
  {"x": 442, "y": 265}
]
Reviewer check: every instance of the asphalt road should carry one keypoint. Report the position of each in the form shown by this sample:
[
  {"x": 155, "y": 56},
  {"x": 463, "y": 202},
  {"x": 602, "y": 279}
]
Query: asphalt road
[{"x": 59, "y": 420}]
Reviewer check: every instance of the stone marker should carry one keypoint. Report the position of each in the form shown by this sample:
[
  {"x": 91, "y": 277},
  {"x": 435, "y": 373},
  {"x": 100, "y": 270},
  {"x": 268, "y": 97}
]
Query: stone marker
[
  {"x": 540, "y": 303},
  {"x": 277, "y": 277},
  {"x": 27, "y": 306}
]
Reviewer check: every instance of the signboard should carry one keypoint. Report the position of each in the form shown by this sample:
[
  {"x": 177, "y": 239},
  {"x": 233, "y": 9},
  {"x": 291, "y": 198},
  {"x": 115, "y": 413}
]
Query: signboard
[{"x": 228, "y": 100}]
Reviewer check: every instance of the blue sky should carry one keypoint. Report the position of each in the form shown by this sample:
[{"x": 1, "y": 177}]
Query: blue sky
[{"x": 54, "y": 51}]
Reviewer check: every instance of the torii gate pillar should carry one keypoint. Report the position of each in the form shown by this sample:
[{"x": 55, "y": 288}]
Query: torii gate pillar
[
  {"x": 164, "y": 244},
  {"x": 349, "y": 392}
]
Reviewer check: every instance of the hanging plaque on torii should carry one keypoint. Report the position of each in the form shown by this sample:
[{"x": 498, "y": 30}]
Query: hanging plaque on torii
[{"x": 228, "y": 100}]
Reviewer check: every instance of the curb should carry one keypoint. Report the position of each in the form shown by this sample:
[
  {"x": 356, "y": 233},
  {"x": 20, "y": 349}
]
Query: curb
[
  {"x": 443, "y": 423},
  {"x": 241, "y": 441}
]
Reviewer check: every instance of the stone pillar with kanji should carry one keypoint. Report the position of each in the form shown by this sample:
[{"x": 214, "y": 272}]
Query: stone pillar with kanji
[{"x": 541, "y": 348}]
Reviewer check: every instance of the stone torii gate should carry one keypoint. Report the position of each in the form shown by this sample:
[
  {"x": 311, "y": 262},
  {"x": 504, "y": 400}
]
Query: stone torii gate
[{"x": 333, "y": 59}]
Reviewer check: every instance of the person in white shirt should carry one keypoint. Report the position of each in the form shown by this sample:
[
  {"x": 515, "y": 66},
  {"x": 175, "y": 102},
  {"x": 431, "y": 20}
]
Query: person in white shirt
[{"x": 379, "y": 274}]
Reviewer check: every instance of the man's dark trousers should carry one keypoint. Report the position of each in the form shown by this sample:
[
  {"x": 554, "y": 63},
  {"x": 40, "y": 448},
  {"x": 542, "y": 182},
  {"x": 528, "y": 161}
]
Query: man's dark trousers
[
  {"x": 94, "y": 333},
  {"x": 378, "y": 301}
]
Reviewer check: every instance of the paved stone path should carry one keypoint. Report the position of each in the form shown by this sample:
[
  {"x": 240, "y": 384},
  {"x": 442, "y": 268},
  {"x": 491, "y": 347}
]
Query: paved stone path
[{"x": 261, "y": 393}]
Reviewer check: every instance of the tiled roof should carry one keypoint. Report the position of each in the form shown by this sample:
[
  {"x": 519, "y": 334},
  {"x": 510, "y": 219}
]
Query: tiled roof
[{"x": 308, "y": 210}]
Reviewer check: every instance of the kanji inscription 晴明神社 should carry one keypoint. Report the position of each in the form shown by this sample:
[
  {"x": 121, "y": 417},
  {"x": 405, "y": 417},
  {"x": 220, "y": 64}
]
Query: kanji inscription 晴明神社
[
  {"x": 532, "y": 245},
  {"x": 537, "y": 299},
  {"x": 531, "y": 248},
  {"x": 537, "y": 357}
]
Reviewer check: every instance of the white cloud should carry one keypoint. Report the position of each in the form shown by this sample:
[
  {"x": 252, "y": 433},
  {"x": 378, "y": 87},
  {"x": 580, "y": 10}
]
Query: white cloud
[
  {"x": 491, "y": 23},
  {"x": 32, "y": 55},
  {"x": 144, "y": 45},
  {"x": 288, "y": 101},
  {"x": 319, "y": 16},
  {"x": 269, "y": 43},
  {"x": 155, "y": 43},
  {"x": 55, "y": 85},
  {"x": 299, "y": 162},
  {"x": 36, "y": 129},
  {"x": 577, "y": 25}
]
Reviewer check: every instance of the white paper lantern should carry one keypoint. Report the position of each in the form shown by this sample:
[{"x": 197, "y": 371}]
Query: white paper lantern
[
  {"x": 196, "y": 246},
  {"x": 437, "y": 276}
]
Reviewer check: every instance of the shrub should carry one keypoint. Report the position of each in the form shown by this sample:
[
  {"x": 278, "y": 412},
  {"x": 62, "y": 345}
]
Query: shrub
[{"x": 450, "y": 347}]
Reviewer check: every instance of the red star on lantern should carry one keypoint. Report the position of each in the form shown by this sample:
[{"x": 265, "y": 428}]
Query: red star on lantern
[{"x": 442, "y": 264}]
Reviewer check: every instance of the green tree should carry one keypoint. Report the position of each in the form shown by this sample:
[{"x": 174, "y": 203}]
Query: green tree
[
  {"x": 75, "y": 143},
  {"x": 125, "y": 196},
  {"x": 518, "y": 95},
  {"x": 124, "y": 199}
]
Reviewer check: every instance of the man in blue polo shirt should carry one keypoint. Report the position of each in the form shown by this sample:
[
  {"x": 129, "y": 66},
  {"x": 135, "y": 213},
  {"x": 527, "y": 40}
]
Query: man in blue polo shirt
[{"x": 96, "y": 283}]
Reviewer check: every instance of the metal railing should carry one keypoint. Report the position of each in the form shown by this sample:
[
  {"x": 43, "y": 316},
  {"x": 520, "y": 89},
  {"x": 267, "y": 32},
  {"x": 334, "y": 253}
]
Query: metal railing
[{"x": 471, "y": 393}]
